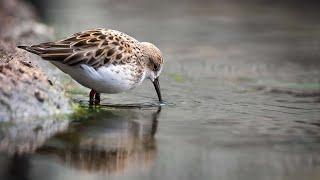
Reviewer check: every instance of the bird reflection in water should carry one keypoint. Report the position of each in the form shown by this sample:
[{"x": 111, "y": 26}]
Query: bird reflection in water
[{"x": 110, "y": 141}]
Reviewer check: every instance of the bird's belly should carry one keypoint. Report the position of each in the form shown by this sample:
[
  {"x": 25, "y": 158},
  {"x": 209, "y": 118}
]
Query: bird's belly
[{"x": 104, "y": 80}]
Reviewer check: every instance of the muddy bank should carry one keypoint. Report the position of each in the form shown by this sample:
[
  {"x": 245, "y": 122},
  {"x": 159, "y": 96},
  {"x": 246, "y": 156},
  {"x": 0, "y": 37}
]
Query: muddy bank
[{"x": 29, "y": 87}]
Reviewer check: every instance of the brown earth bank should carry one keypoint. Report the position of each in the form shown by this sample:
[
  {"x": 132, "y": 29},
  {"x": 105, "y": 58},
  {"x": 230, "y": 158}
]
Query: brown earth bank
[{"x": 29, "y": 86}]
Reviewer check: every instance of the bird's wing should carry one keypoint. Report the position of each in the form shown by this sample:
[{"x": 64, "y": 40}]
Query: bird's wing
[{"x": 97, "y": 47}]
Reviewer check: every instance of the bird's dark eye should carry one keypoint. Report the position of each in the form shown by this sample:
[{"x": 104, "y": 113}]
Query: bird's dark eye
[{"x": 155, "y": 67}]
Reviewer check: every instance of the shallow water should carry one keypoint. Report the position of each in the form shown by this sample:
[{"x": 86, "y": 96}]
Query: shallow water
[{"x": 242, "y": 82}]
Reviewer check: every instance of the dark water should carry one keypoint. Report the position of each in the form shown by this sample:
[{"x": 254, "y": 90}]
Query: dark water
[{"x": 242, "y": 81}]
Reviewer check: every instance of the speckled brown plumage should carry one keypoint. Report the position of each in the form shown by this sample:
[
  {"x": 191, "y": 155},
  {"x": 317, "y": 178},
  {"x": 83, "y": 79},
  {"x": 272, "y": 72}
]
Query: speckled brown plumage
[{"x": 96, "y": 47}]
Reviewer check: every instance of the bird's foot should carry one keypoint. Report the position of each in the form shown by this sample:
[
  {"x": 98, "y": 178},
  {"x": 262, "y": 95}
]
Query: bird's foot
[
  {"x": 94, "y": 97},
  {"x": 97, "y": 99}
]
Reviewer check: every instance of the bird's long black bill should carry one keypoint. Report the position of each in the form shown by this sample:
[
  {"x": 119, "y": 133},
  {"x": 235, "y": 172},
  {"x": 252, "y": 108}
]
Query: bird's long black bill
[{"x": 157, "y": 87}]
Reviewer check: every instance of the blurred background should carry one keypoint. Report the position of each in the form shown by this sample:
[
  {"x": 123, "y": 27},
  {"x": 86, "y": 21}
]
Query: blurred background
[
  {"x": 242, "y": 81},
  {"x": 270, "y": 43}
]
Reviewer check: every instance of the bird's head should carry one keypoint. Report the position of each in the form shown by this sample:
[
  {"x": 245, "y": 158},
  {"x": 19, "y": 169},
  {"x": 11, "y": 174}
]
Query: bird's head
[{"x": 154, "y": 64}]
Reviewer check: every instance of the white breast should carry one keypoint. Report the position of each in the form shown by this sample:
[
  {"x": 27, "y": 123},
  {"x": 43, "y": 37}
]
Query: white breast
[{"x": 111, "y": 79}]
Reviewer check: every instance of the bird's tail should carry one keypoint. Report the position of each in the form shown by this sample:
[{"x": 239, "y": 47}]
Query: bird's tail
[{"x": 30, "y": 49}]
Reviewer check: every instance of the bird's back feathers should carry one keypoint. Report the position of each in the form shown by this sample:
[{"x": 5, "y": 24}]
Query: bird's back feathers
[{"x": 96, "y": 48}]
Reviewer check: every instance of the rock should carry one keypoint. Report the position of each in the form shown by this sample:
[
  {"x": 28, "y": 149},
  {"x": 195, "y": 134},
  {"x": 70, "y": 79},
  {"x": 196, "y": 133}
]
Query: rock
[
  {"x": 29, "y": 86},
  {"x": 25, "y": 89}
]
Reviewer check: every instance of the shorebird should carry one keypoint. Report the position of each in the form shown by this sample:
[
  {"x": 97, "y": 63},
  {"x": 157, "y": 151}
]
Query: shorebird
[{"x": 104, "y": 60}]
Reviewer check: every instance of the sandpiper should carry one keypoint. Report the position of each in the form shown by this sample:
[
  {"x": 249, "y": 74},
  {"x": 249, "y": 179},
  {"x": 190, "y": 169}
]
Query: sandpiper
[{"x": 104, "y": 60}]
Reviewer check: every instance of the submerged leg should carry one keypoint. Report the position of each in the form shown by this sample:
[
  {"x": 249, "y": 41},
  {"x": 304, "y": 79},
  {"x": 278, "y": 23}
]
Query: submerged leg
[
  {"x": 92, "y": 96},
  {"x": 97, "y": 98}
]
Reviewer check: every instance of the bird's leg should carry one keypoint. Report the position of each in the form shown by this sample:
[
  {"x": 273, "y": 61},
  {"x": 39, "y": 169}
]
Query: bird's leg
[
  {"x": 97, "y": 98},
  {"x": 92, "y": 96}
]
